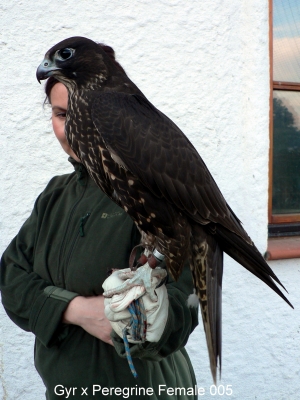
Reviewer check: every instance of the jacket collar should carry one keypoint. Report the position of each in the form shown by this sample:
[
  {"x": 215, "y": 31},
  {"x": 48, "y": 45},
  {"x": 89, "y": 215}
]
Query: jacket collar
[{"x": 80, "y": 170}]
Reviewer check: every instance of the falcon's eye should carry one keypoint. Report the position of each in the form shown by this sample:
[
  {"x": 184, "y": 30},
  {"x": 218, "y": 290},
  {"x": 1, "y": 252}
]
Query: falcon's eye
[{"x": 65, "y": 54}]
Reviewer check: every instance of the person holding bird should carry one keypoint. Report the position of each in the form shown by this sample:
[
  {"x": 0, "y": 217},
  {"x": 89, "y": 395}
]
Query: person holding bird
[
  {"x": 151, "y": 172},
  {"x": 51, "y": 284}
]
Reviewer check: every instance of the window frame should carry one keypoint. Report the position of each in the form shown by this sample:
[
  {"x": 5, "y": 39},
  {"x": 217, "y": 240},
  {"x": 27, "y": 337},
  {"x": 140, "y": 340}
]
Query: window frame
[{"x": 277, "y": 85}]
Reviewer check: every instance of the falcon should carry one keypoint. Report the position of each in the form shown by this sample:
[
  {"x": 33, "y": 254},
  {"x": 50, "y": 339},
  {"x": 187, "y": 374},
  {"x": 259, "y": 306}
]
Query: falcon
[{"x": 145, "y": 164}]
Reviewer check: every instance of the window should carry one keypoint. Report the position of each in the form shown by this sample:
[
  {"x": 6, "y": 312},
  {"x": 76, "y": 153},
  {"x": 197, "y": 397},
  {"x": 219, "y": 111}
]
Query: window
[{"x": 284, "y": 196}]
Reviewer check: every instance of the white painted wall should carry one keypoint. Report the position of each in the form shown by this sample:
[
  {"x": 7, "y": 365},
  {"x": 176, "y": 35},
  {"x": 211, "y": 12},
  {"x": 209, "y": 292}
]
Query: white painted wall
[{"x": 205, "y": 64}]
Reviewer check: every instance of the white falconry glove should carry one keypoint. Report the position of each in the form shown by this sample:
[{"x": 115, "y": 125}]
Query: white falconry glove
[{"x": 116, "y": 307}]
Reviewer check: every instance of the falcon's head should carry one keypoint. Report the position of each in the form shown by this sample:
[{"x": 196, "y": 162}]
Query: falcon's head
[{"x": 77, "y": 62}]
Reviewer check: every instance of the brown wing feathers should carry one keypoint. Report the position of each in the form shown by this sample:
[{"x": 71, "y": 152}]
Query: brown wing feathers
[{"x": 167, "y": 166}]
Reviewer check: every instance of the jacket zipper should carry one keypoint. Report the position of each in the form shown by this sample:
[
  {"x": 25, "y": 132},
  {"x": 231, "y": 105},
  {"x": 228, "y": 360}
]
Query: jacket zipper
[
  {"x": 62, "y": 248},
  {"x": 80, "y": 233},
  {"x": 82, "y": 223}
]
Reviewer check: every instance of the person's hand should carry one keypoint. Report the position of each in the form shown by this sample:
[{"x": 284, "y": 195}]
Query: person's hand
[
  {"x": 88, "y": 312},
  {"x": 116, "y": 307}
]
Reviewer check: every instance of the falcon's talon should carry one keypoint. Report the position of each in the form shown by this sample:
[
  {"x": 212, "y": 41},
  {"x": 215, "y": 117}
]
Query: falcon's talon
[
  {"x": 163, "y": 281},
  {"x": 126, "y": 274},
  {"x": 142, "y": 277}
]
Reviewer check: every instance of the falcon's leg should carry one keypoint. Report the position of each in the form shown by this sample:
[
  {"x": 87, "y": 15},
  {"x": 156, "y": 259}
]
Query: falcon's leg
[{"x": 148, "y": 275}]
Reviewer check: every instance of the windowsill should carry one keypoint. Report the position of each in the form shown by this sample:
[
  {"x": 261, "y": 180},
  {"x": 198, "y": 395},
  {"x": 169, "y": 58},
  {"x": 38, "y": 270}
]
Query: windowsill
[{"x": 283, "y": 247}]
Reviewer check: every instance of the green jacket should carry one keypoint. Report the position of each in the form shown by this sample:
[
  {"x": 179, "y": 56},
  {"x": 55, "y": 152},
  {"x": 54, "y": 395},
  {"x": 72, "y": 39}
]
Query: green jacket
[{"x": 73, "y": 236}]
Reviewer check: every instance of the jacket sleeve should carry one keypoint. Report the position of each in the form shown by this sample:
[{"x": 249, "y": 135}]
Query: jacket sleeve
[
  {"x": 28, "y": 299},
  {"x": 182, "y": 320}
]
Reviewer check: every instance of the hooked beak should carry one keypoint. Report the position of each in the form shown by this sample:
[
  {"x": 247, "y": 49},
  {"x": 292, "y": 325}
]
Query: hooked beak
[{"x": 45, "y": 69}]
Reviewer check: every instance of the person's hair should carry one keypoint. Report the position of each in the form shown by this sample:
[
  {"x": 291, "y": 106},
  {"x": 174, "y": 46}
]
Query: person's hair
[{"x": 51, "y": 81}]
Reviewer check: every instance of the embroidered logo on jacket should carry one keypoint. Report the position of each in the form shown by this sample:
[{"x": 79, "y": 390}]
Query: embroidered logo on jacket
[{"x": 115, "y": 214}]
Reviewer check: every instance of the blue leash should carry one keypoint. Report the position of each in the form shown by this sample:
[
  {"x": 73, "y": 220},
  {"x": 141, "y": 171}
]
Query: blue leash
[{"x": 137, "y": 329}]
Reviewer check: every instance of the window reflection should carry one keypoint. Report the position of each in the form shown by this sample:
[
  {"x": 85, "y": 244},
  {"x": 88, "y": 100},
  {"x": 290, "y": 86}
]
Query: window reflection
[
  {"x": 286, "y": 40},
  {"x": 286, "y": 152}
]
